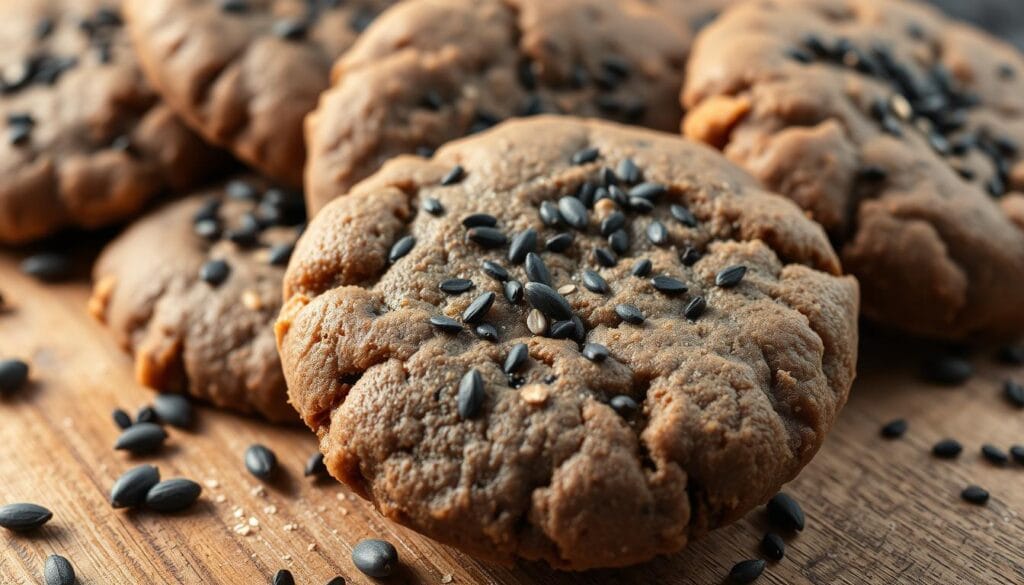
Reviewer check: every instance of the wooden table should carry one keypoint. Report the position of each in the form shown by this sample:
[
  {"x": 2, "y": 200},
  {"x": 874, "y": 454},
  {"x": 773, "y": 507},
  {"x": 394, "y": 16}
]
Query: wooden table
[{"x": 879, "y": 511}]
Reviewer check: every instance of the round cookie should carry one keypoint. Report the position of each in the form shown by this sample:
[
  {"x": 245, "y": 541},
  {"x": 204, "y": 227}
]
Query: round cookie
[
  {"x": 192, "y": 291},
  {"x": 899, "y": 130},
  {"x": 431, "y": 71},
  {"x": 243, "y": 73},
  {"x": 86, "y": 142},
  {"x": 614, "y": 414}
]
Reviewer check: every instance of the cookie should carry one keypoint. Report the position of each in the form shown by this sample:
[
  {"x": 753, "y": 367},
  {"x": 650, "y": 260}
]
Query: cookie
[
  {"x": 192, "y": 291},
  {"x": 566, "y": 340},
  {"x": 432, "y": 71},
  {"x": 243, "y": 73},
  {"x": 86, "y": 141},
  {"x": 899, "y": 130}
]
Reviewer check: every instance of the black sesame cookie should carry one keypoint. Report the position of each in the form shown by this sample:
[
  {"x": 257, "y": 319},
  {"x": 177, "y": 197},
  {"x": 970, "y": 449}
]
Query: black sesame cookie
[
  {"x": 566, "y": 340},
  {"x": 243, "y": 73},
  {"x": 431, "y": 71},
  {"x": 899, "y": 130},
  {"x": 192, "y": 291},
  {"x": 85, "y": 141}
]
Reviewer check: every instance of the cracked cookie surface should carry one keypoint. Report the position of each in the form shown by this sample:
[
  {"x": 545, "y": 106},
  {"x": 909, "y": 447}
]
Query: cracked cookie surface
[
  {"x": 86, "y": 141},
  {"x": 899, "y": 130},
  {"x": 243, "y": 73},
  {"x": 192, "y": 291},
  {"x": 479, "y": 370},
  {"x": 433, "y": 71}
]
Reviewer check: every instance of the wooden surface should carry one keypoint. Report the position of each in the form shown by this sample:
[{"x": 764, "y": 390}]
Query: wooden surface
[{"x": 878, "y": 511}]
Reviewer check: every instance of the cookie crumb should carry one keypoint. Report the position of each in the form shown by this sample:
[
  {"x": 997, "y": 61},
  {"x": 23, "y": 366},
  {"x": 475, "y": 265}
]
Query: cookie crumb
[
  {"x": 535, "y": 394},
  {"x": 252, "y": 300},
  {"x": 447, "y": 578}
]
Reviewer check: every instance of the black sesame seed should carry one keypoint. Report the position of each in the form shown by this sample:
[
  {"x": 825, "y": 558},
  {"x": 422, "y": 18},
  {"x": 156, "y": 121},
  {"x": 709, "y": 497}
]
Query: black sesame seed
[
  {"x": 695, "y": 308},
  {"x": 536, "y": 270},
  {"x": 559, "y": 242},
  {"x": 641, "y": 268},
  {"x": 173, "y": 495},
  {"x": 730, "y": 276},
  {"x": 547, "y": 300},
  {"x": 315, "y": 466},
  {"x": 595, "y": 283},
  {"x": 283, "y": 577},
  {"x": 595, "y": 352},
  {"x": 479, "y": 220},
  {"x": 773, "y": 546},
  {"x": 549, "y": 214},
  {"x": 208, "y": 229},
  {"x": 668, "y": 285},
  {"x": 260, "y": 461},
  {"x": 173, "y": 409},
  {"x": 586, "y": 192},
  {"x": 47, "y": 267},
  {"x": 146, "y": 414},
  {"x": 657, "y": 233},
  {"x": 648, "y": 191},
  {"x": 23, "y": 517},
  {"x": 446, "y": 324},
  {"x": 629, "y": 314},
  {"x": 57, "y": 570},
  {"x": 247, "y": 233},
  {"x": 619, "y": 241},
  {"x": 455, "y": 286},
  {"x": 975, "y": 495},
  {"x": 947, "y": 370},
  {"x": 683, "y": 215},
  {"x": 584, "y": 156},
  {"x": 478, "y": 308},
  {"x": 495, "y": 270},
  {"x": 746, "y": 571},
  {"x": 513, "y": 291},
  {"x": 433, "y": 206},
  {"x": 121, "y": 418},
  {"x": 994, "y": 454},
  {"x": 375, "y": 558},
  {"x": 624, "y": 406},
  {"x": 1014, "y": 393},
  {"x": 627, "y": 171},
  {"x": 605, "y": 257},
  {"x": 947, "y": 449},
  {"x": 455, "y": 175},
  {"x": 337, "y": 581},
  {"x": 401, "y": 248},
  {"x": 487, "y": 237},
  {"x": 640, "y": 205},
  {"x": 19, "y": 134},
  {"x": 487, "y": 332},
  {"x": 573, "y": 212},
  {"x": 785, "y": 513},
  {"x": 612, "y": 223},
  {"x": 689, "y": 256},
  {"x": 516, "y": 358},
  {"x": 280, "y": 254},
  {"x": 214, "y": 272},
  {"x": 523, "y": 243},
  {"x": 1017, "y": 452},
  {"x": 471, "y": 395},
  {"x": 13, "y": 376},
  {"x": 894, "y": 429},
  {"x": 141, "y": 438},
  {"x": 563, "y": 329},
  {"x": 290, "y": 30}
]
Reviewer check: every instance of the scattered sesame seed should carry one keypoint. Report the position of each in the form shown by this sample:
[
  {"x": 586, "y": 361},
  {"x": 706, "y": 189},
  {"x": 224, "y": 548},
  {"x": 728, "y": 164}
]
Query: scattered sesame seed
[
  {"x": 455, "y": 175},
  {"x": 629, "y": 314},
  {"x": 994, "y": 455},
  {"x": 894, "y": 429},
  {"x": 470, "y": 398},
  {"x": 731, "y": 276},
  {"x": 785, "y": 513},
  {"x": 947, "y": 449},
  {"x": 478, "y": 308},
  {"x": 975, "y": 495}
]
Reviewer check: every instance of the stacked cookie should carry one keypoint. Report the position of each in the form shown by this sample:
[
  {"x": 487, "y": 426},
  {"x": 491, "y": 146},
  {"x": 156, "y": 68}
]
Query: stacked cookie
[{"x": 526, "y": 318}]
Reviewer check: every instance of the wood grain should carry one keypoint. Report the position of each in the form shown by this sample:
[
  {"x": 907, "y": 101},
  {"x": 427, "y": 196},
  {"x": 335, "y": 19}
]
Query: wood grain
[{"x": 878, "y": 511}]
